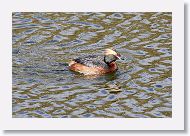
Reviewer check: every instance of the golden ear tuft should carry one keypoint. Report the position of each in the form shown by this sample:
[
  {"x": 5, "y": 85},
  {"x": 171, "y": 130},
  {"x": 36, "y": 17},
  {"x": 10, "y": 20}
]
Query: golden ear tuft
[
  {"x": 112, "y": 48},
  {"x": 110, "y": 51}
]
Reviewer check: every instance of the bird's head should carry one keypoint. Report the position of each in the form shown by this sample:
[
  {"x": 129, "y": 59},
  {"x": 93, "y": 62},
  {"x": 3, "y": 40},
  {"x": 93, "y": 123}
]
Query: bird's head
[{"x": 112, "y": 52}]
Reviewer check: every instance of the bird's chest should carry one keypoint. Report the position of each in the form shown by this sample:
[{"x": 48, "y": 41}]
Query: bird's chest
[{"x": 113, "y": 66}]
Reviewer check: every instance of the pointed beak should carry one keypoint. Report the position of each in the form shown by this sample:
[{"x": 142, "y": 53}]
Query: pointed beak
[{"x": 118, "y": 56}]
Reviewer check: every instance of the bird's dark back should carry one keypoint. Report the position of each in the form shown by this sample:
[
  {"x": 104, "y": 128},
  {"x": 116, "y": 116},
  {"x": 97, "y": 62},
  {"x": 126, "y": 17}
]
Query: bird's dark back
[{"x": 92, "y": 61}]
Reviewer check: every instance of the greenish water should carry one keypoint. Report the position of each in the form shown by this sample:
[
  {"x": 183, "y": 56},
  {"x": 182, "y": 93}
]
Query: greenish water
[{"x": 43, "y": 44}]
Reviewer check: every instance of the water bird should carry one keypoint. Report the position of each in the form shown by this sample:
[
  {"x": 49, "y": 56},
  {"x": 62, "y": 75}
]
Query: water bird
[{"x": 96, "y": 64}]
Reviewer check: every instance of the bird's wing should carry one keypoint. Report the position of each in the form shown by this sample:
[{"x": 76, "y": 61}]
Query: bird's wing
[{"x": 91, "y": 61}]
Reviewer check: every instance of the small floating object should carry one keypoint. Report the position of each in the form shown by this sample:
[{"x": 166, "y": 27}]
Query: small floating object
[
  {"x": 115, "y": 91},
  {"x": 114, "y": 88},
  {"x": 96, "y": 65}
]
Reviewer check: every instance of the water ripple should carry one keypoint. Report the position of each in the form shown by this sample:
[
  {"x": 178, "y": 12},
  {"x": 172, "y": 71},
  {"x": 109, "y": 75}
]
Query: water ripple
[{"x": 44, "y": 43}]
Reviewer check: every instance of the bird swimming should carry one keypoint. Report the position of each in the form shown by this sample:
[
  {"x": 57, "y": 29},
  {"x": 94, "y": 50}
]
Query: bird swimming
[{"x": 96, "y": 64}]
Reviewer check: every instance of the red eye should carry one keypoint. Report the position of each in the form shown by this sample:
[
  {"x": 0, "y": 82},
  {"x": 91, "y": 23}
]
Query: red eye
[{"x": 118, "y": 55}]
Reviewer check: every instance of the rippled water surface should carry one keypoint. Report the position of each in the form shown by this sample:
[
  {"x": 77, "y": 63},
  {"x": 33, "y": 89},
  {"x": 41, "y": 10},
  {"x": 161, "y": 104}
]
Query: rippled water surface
[{"x": 43, "y": 44}]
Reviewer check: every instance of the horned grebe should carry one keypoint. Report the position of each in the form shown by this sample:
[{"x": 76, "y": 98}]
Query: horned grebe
[{"x": 94, "y": 65}]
